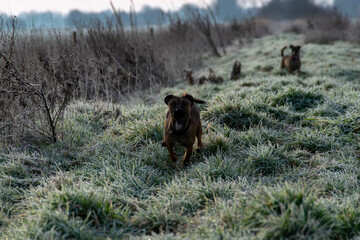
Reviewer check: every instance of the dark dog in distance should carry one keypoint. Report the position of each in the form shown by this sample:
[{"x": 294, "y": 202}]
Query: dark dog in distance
[{"x": 291, "y": 63}]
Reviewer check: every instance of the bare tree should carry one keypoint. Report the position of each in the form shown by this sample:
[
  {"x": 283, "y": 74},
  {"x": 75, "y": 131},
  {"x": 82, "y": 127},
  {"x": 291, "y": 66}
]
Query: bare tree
[
  {"x": 217, "y": 28},
  {"x": 202, "y": 22}
]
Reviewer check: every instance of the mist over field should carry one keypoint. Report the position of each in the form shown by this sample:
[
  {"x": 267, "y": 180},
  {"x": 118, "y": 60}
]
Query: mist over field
[
  {"x": 226, "y": 10},
  {"x": 83, "y": 103}
]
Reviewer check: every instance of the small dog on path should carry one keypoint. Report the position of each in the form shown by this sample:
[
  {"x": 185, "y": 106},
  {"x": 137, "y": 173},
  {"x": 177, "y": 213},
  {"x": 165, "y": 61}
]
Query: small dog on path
[
  {"x": 292, "y": 62},
  {"x": 182, "y": 125}
]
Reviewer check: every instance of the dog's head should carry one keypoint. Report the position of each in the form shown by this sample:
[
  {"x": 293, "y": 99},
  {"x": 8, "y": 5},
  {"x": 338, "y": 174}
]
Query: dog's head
[
  {"x": 295, "y": 51},
  {"x": 179, "y": 108}
]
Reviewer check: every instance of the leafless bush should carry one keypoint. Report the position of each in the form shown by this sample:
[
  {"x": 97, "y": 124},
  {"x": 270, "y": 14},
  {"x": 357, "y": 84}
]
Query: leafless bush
[
  {"x": 354, "y": 32},
  {"x": 188, "y": 77},
  {"x": 291, "y": 9},
  {"x": 202, "y": 80},
  {"x": 204, "y": 25},
  {"x": 42, "y": 71},
  {"x": 213, "y": 77},
  {"x": 327, "y": 28},
  {"x": 180, "y": 44},
  {"x": 246, "y": 29},
  {"x": 32, "y": 99},
  {"x": 297, "y": 27},
  {"x": 120, "y": 63}
]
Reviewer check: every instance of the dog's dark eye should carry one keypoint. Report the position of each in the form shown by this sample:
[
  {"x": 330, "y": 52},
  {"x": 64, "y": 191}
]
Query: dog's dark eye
[{"x": 173, "y": 104}]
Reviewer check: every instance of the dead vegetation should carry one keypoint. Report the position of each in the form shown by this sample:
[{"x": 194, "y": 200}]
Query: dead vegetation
[
  {"x": 213, "y": 77},
  {"x": 326, "y": 28},
  {"x": 188, "y": 77},
  {"x": 42, "y": 71},
  {"x": 202, "y": 80},
  {"x": 236, "y": 70},
  {"x": 33, "y": 101},
  {"x": 205, "y": 23}
]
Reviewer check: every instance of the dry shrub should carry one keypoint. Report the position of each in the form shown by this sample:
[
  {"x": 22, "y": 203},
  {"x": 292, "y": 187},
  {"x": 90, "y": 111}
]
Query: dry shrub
[
  {"x": 43, "y": 71},
  {"x": 327, "y": 28},
  {"x": 354, "y": 32},
  {"x": 246, "y": 29},
  {"x": 180, "y": 44},
  {"x": 291, "y": 9},
  {"x": 117, "y": 62},
  {"x": 34, "y": 91},
  {"x": 297, "y": 26}
]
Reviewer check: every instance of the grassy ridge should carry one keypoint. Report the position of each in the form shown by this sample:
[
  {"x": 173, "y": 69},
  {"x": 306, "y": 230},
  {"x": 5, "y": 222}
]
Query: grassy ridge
[{"x": 281, "y": 159}]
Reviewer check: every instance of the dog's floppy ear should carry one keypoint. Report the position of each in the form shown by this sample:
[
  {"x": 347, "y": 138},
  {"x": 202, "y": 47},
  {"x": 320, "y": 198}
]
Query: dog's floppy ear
[
  {"x": 299, "y": 47},
  {"x": 291, "y": 46},
  {"x": 191, "y": 99},
  {"x": 168, "y": 98}
]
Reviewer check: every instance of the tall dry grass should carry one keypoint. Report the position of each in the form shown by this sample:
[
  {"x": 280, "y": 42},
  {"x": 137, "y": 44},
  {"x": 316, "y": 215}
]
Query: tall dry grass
[{"x": 43, "y": 70}]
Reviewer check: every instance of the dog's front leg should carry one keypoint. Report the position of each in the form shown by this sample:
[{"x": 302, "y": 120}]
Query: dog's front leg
[
  {"x": 173, "y": 156},
  {"x": 199, "y": 142},
  {"x": 187, "y": 156}
]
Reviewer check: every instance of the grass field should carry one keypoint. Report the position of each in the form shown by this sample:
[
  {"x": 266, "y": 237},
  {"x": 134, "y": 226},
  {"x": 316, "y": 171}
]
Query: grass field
[{"x": 281, "y": 159}]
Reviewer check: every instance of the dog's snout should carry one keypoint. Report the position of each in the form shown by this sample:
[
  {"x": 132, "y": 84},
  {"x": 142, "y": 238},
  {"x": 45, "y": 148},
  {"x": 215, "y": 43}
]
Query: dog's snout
[{"x": 179, "y": 113}]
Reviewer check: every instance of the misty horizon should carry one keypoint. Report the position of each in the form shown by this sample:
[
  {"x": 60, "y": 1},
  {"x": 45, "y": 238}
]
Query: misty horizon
[
  {"x": 225, "y": 11},
  {"x": 245, "y": 4}
]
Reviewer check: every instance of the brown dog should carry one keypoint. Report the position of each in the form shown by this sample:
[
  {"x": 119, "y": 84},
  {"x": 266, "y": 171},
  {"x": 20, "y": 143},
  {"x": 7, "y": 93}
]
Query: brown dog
[
  {"x": 292, "y": 62},
  {"x": 182, "y": 125}
]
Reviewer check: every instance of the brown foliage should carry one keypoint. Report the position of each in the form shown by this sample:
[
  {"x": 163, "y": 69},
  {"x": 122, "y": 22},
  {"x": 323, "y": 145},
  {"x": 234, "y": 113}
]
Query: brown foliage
[
  {"x": 42, "y": 71},
  {"x": 327, "y": 28},
  {"x": 189, "y": 77},
  {"x": 213, "y": 77}
]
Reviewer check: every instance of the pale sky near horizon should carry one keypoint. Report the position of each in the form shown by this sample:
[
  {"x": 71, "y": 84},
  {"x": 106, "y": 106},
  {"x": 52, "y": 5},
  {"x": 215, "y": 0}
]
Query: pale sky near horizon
[{"x": 14, "y": 7}]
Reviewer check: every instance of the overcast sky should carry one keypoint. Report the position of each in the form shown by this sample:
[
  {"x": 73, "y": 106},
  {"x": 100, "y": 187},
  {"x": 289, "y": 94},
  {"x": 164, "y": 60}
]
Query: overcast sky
[{"x": 15, "y": 7}]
